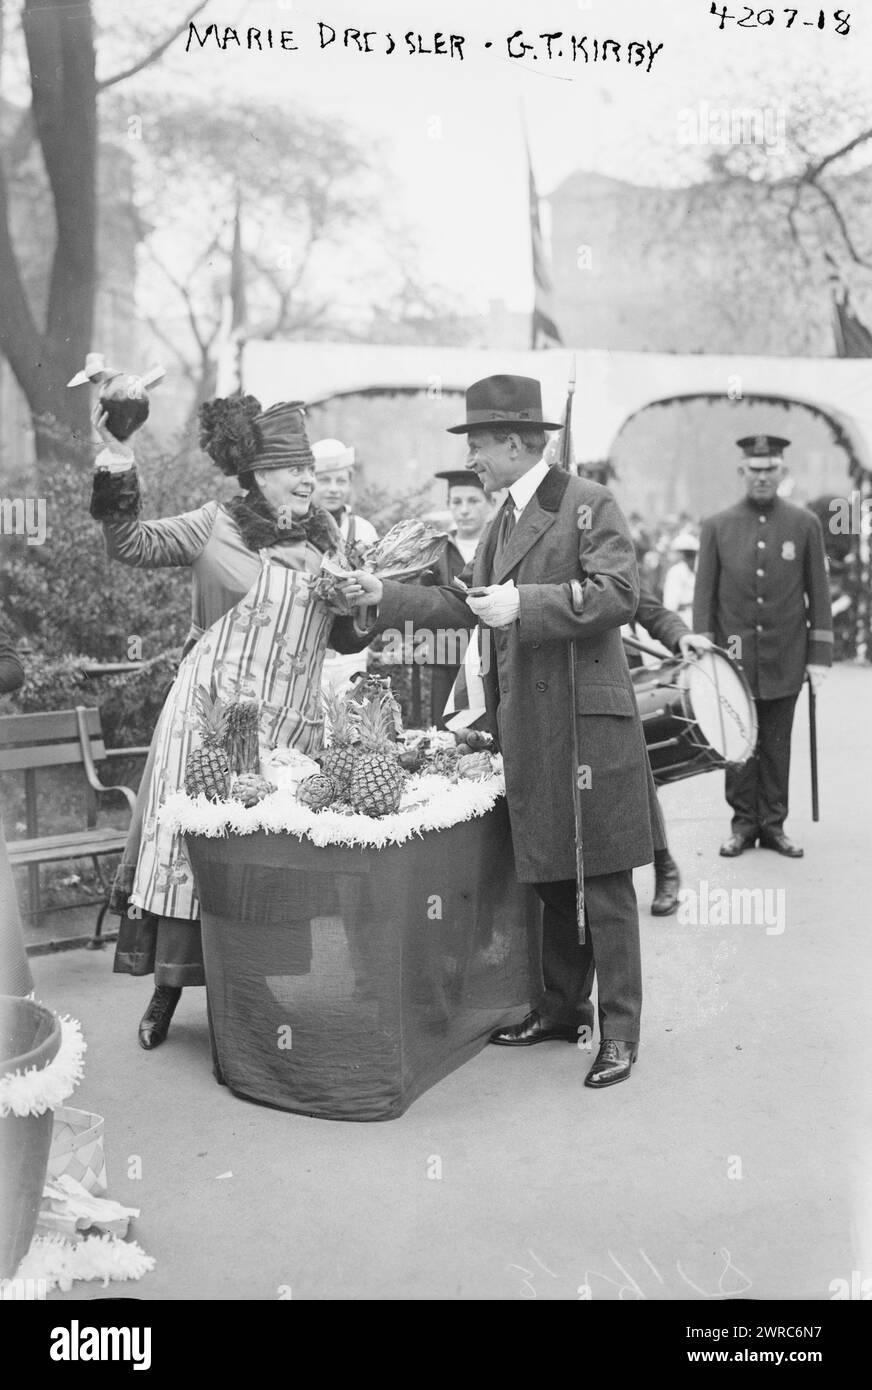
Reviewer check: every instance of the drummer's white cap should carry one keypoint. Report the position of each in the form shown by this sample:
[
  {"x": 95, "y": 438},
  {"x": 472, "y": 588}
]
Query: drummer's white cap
[
  {"x": 331, "y": 455},
  {"x": 685, "y": 542}
]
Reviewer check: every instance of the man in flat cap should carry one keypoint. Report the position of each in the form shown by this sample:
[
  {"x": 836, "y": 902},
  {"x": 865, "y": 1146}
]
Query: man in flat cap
[
  {"x": 334, "y": 475},
  {"x": 762, "y": 593},
  {"x": 554, "y": 575}
]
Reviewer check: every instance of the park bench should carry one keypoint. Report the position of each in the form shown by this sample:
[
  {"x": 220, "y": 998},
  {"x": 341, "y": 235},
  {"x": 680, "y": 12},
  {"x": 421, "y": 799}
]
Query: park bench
[{"x": 29, "y": 742}]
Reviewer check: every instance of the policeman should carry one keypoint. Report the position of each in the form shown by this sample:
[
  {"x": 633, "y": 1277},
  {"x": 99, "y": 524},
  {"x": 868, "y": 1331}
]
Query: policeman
[{"x": 762, "y": 593}]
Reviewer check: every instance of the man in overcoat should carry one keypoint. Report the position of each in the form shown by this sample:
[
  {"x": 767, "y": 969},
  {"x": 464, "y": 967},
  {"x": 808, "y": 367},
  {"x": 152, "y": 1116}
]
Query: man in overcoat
[
  {"x": 558, "y": 571},
  {"x": 762, "y": 592}
]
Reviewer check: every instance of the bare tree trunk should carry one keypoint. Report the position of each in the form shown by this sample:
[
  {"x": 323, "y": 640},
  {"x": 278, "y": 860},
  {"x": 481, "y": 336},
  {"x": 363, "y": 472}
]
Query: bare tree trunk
[{"x": 60, "y": 49}]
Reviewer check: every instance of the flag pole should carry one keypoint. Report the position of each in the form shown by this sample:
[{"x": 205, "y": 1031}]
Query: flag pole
[{"x": 567, "y": 462}]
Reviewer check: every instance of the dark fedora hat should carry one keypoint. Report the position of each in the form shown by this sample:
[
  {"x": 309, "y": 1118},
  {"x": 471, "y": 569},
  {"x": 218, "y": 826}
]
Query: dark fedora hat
[{"x": 515, "y": 401}]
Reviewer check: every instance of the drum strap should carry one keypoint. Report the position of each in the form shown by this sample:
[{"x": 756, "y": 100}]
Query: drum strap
[{"x": 576, "y": 798}]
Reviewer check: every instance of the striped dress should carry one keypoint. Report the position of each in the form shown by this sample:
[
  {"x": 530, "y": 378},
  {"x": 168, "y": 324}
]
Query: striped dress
[{"x": 268, "y": 647}]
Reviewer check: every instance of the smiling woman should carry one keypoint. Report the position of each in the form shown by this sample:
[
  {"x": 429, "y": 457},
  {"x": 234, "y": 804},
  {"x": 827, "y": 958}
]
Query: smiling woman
[{"x": 259, "y": 633}]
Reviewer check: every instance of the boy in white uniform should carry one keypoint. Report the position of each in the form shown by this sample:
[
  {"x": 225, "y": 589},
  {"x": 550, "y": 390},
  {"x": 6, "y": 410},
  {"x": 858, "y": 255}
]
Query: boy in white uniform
[{"x": 334, "y": 468}]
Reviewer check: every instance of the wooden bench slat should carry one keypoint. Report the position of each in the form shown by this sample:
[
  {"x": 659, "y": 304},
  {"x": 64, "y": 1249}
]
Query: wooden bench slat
[
  {"x": 78, "y": 845},
  {"x": 49, "y": 755},
  {"x": 51, "y": 726}
]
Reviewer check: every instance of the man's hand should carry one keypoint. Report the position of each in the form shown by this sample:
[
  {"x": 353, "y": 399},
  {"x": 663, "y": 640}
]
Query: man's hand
[
  {"x": 361, "y": 589},
  {"x": 499, "y": 607},
  {"x": 694, "y": 642},
  {"x": 817, "y": 675}
]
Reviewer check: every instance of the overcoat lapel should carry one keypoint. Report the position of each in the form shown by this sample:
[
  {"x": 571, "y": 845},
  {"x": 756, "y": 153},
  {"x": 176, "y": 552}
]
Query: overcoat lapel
[{"x": 534, "y": 522}]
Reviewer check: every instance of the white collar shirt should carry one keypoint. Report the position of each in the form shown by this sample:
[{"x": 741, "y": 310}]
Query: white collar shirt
[{"x": 523, "y": 488}]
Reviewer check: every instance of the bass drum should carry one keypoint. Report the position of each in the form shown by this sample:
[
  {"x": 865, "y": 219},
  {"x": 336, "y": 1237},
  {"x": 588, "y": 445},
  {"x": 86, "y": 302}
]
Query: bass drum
[{"x": 698, "y": 714}]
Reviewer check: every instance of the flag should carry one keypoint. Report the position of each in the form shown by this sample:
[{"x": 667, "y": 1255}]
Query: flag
[
  {"x": 545, "y": 332},
  {"x": 558, "y": 451},
  {"x": 465, "y": 703},
  {"x": 853, "y": 338}
]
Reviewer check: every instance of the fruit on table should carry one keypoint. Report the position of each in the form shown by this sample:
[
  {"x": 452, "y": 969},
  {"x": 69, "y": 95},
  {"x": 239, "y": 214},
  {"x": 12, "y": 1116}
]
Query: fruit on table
[
  {"x": 411, "y": 760},
  {"x": 478, "y": 739},
  {"x": 250, "y": 788},
  {"x": 475, "y": 766},
  {"x": 463, "y": 749},
  {"x": 317, "y": 791},
  {"x": 338, "y": 761},
  {"x": 207, "y": 770},
  {"x": 377, "y": 780}
]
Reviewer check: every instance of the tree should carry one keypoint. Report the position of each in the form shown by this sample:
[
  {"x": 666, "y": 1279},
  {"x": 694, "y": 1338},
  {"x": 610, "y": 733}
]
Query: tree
[
  {"x": 320, "y": 255},
  {"x": 44, "y": 349},
  {"x": 785, "y": 195}
]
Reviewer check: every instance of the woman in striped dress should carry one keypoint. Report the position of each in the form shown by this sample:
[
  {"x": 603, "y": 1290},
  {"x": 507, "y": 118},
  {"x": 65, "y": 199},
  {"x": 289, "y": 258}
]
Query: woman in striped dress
[{"x": 259, "y": 629}]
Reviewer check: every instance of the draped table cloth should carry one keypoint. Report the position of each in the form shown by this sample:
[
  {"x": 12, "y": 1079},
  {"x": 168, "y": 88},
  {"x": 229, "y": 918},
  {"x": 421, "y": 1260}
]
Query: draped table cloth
[{"x": 344, "y": 981}]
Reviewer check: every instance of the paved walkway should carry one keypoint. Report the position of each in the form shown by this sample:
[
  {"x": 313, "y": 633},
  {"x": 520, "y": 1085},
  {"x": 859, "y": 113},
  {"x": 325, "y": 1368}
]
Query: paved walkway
[{"x": 735, "y": 1161}]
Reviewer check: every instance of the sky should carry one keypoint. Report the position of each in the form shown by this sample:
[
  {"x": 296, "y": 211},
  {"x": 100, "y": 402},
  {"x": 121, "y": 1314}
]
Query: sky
[{"x": 451, "y": 132}]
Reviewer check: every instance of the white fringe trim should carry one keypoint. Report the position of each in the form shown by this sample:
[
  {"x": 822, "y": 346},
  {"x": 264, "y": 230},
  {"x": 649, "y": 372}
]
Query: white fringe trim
[
  {"x": 45, "y": 1088},
  {"x": 59, "y": 1262},
  {"x": 430, "y": 803}
]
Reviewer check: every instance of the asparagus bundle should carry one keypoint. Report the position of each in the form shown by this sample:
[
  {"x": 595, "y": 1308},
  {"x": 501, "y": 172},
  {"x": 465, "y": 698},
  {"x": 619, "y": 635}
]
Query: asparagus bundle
[
  {"x": 241, "y": 737},
  {"x": 408, "y": 549}
]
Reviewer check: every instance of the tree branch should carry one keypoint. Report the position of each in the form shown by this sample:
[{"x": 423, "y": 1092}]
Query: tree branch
[
  {"x": 814, "y": 170},
  {"x": 152, "y": 56}
]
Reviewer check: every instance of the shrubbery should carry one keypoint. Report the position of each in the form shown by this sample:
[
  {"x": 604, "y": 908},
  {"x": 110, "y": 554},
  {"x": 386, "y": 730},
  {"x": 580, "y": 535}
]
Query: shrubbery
[{"x": 73, "y": 605}]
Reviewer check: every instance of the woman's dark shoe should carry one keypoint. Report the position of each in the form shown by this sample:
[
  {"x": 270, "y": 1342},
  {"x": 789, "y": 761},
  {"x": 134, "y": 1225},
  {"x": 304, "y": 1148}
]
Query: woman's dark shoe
[
  {"x": 667, "y": 881},
  {"x": 155, "y": 1022}
]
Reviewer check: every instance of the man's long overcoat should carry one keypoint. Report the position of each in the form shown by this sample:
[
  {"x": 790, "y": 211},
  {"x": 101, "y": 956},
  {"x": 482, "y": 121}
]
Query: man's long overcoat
[{"x": 571, "y": 530}]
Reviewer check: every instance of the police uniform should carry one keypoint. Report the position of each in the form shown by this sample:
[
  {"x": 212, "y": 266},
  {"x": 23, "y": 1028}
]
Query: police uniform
[{"x": 762, "y": 593}]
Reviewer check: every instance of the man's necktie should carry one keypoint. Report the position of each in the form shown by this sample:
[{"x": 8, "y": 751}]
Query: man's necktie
[{"x": 506, "y": 528}]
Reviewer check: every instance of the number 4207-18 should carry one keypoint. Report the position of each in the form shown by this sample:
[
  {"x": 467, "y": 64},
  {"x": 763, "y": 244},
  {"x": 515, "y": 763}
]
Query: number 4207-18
[{"x": 764, "y": 19}]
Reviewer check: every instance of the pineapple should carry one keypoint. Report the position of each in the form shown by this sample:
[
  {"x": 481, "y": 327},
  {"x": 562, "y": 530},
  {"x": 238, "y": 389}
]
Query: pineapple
[
  {"x": 377, "y": 780},
  {"x": 316, "y": 791},
  {"x": 243, "y": 726},
  {"x": 207, "y": 769},
  {"x": 339, "y": 760}
]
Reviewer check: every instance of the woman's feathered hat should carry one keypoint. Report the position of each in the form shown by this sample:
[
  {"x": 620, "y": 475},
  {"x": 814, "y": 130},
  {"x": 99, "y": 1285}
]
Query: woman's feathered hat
[{"x": 240, "y": 436}]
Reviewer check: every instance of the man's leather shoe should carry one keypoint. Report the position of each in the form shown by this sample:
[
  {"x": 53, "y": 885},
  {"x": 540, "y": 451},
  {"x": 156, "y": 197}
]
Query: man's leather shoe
[
  {"x": 155, "y": 1022},
  {"x": 534, "y": 1029},
  {"x": 613, "y": 1063},
  {"x": 667, "y": 881},
  {"x": 781, "y": 845},
  {"x": 736, "y": 845}
]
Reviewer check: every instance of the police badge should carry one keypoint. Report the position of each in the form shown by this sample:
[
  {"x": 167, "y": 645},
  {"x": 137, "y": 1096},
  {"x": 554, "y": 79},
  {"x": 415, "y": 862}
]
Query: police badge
[{"x": 788, "y": 551}]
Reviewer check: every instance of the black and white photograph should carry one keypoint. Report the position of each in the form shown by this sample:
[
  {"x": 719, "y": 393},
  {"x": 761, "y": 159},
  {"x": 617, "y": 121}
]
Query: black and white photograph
[{"x": 436, "y": 664}]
